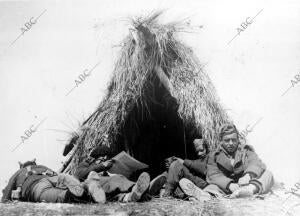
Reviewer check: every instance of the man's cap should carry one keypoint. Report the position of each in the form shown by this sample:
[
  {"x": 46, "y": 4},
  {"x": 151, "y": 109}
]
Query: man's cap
[
  {"x": 227, "y": 129},
  {"x": 101, "y": 151},
  {"x": 27, "y": 163}
]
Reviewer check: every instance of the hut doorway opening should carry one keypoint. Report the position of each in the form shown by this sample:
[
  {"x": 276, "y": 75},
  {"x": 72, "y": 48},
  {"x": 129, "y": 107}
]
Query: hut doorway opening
[{"x": 153, "y": 131}]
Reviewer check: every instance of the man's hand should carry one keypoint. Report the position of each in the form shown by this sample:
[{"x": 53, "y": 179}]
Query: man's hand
[
  {"x": 169, "y": 161},
  {"x": 233, "y": 187},
  {"x": 108, "y": 164},
  {"x": 101, "y": 159},
  {"x": 16, "y": 194},
  {"x": 245, "y": 191},
  {"x": 244, "y": 180},
  {"x": 180, "y": 160},
  {"x": 49, "y": 173}
]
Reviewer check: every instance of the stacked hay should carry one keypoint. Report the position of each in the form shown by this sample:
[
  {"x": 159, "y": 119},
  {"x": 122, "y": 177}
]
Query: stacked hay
[{"x": 152, "y": 53}]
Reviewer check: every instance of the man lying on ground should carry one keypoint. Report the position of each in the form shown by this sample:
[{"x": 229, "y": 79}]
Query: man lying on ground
[
  {"x": 194, "y": 170},
  {"x": 233, "y": 169},
  {"x": 116, "y": 187},
  {"x": 38, "y": 183}
]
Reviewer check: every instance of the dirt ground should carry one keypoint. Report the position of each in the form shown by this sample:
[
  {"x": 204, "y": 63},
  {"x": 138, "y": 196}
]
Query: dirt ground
[{"x": 271, "y": 205}]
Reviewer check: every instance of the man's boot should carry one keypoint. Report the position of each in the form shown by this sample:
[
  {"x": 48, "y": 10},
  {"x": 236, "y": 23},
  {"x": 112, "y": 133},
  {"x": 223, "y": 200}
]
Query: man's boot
[
  {"x": 138, "y": 189},
  {"x": 157, "y": 184},
  {"x": 190, "y": 189},
  {"x": 94, "y": 188},
  {"x": 73, "y": 184}
]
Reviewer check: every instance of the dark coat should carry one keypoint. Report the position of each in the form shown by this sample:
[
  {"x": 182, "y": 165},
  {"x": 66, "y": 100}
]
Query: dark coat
[
  {"x": 84, "y": 168},
  {"x": 221, "y": 172},
  {"x": 24, "y": 178}
]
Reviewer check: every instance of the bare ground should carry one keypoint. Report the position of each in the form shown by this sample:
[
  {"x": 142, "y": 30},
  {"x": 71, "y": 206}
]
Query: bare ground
[{"x": 271, "y": 205}]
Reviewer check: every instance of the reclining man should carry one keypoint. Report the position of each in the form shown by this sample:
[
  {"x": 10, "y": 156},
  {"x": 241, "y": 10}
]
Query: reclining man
[
  {"x": 233, "y": 169},
  {"x": 194, "y": 170},
  {"x": 116, "y": 187},
  {"x": 38, "y": 183}
]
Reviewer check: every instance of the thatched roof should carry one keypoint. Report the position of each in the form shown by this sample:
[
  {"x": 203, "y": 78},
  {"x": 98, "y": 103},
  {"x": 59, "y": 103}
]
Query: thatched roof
[{"x": 152, "y": 56}]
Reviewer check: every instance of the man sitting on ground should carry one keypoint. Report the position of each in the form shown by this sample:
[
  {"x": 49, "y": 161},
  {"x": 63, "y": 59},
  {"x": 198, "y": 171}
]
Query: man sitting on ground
[
  {"x": 233, "y": 169},
  {"x": 117, "y": 187},
  {"x": 38, "y": 183},
  {"x": 194, "y": 170}
]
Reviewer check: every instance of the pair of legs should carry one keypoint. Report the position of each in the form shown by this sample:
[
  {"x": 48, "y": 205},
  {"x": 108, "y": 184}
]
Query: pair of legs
[
  {"x": 176, "y": 172},
  {"x": 261, "y": 185},
  {"x": 119, "y": 188},
  {"x": 57, "y": 189}
]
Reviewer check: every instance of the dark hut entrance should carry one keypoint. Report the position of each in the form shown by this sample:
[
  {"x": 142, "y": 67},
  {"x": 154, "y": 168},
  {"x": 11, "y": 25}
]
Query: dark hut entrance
[{"x": 153, "y": 131}]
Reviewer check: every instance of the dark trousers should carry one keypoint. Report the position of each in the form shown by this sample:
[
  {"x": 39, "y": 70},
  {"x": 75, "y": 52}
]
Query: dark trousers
[
  {"x": 46, "y": 191},
  {"x": 178, "y": 171},
  {"x": 54, "y": 190},
  {"x": 115, "y": 186}
]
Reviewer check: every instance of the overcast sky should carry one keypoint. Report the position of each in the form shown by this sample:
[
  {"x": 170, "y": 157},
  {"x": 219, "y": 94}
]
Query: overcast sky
[{"x": 251, "y": 73}]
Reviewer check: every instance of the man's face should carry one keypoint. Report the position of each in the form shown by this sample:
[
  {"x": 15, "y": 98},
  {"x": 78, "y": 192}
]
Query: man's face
[
  {"x": 230, "y": 142},
  {"x": 199, "y": 147}
]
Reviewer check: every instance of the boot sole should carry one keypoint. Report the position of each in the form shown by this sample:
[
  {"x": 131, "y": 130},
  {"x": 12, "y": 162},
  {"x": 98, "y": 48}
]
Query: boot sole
[
  {"x": 96, "y": 192},
  {"x": 156, "y": 184},
  {"x": 190, "y": 189},
  {"x": 140, "y": 187}
]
